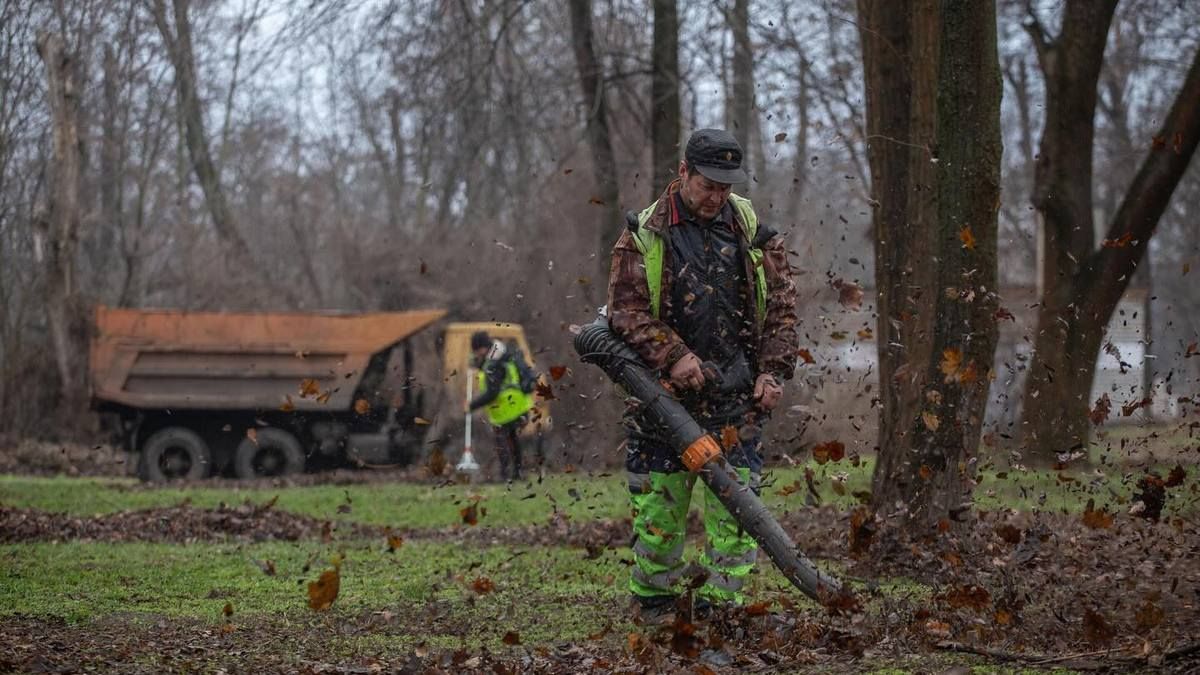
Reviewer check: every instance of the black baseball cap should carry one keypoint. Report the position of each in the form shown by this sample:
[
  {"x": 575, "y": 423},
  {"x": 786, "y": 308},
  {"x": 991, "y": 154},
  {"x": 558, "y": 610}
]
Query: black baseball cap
[
  {"x": 717, "y": 155},
  {"x": 480, "y": 339}
]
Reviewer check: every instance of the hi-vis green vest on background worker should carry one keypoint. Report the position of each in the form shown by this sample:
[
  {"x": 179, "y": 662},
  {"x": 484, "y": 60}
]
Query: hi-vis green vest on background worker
[{"x": 512, "y": 402}]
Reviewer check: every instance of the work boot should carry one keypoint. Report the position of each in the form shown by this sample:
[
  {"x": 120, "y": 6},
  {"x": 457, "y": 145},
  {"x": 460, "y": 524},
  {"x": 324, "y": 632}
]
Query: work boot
[{"x": 655, "y": 610}]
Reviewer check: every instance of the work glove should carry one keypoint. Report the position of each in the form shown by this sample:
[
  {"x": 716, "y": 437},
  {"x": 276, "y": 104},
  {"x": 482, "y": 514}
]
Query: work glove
[
  {"x": 767, "y": 391},
  {"x": 687, "y": 373}
]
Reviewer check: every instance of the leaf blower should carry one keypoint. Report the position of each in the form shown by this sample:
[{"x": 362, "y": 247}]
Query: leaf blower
[{"x": 701, "y": 453}]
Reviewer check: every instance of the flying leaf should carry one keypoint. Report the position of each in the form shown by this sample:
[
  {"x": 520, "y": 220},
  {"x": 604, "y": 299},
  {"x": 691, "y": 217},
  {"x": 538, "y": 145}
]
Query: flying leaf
[
  {"x": 287, "y": 405},
  {"x": 1192, "y": 350},
  {"x": 781, "y": 137},
  {"x": 1122, "y": 242},
  {"x": 1003, "y": 313},
  {"x": 597, "y": 201},
  {"x": 323, "y": 591},
  {"x": 309, "y": 387},
  {"x": 729, "y": 437},
  {"x": 931, "y": 421},
  {"x": 866, "y": 334},
  {"x": 850, "y": 294},
  {"x": 362, "y": 407},
  {"x": 925, "y": 472},
  {"x": 832, "y": 451},
  {"x": 421, "y": 421},
  {"x": 470, "y": 514},
  {"x": 951, "y": 362},
  {"x": 1175, "y": 477},
  {"x": 1100, "y": 410},
  {"x": 805, "y": 356},
  {"x": 557, "y": 372},
  {"x": 967, "y": 237},
  {"x": 544, "y": 391},
  {"x": 252, "y": 434}
]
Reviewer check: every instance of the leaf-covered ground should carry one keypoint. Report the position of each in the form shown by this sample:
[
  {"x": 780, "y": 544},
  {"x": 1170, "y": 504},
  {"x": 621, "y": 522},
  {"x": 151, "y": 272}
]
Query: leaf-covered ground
[{"x": 104, "y": 575}]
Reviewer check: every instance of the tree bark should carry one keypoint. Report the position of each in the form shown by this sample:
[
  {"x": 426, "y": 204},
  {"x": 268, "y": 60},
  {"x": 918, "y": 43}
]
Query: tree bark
[
  {"x": 604, "y": 164},
  {"x": 1083, "y": 284},
  {"x": 664, "y": 96},
  {"x": 933, "y": 119},
  {"x": 741, "y": 124},
  {"x": 59, "y": 228}
]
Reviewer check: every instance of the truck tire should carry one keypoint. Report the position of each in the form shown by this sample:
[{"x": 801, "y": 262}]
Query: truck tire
[
  {"x": 174, "y": 453},
  {"x": 271, "y": 452}
]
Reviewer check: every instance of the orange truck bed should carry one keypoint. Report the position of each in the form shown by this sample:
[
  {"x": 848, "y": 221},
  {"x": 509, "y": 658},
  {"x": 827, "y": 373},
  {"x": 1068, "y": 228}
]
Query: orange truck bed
[{"x": 170, "y": 359}]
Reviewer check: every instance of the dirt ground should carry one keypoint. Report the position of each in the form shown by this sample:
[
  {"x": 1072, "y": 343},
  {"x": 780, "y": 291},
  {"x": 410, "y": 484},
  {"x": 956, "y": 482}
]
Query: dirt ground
[{"x": 1031, "y": 590}]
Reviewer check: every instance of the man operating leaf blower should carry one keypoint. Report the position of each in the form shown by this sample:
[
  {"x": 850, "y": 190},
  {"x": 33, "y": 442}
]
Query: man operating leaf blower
[{"x": 702, "y": 294}]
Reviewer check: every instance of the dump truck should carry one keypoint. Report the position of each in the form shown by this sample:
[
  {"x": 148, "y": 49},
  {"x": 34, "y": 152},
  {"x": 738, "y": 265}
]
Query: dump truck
[{"x": 266, "y": 394}]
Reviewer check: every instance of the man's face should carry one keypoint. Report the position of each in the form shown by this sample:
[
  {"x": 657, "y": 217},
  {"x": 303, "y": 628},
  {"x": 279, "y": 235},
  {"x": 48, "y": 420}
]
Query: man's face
[
  {"x": 481, "y": 354},
  {"x": 703, "y": 197}
]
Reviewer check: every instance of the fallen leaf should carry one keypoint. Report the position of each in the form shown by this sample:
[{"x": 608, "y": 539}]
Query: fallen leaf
[
  {"x": 394, "y": 542},
  {"x": 1149, "y": 616},
  {"x": 511, "y": 638},
  {"x": 967, "y": 597},
  {"x": 228, "y": 610},
  {"x": 967, "y": 237},
  {"x": 1003, "y": 617},
  {"x": 483, "y": 585},
  {"x": 1175, "y": 477},
  {"x": 1096, "y": 628},
  {"x": 1097, "y": 520}
]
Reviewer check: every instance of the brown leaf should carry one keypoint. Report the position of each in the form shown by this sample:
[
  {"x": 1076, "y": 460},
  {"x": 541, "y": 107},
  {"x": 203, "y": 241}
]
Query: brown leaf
[
  {"x": 424, "y": 267},
  {"x": 931, "y": 421},
  {"x": 967, "y": 237},
  {"x": 1097, "y": 520},
  {"x": 557, "y": 372},
  {"x": 1122, "y": 242},
  {"x": 757, "y": 609},
  {"x": 1149, "y": 616},
  {"x": 1100, "y": 411},
  {"x": 483, "y": 585},
  {"x": 512, "y": 638},
  {"x": 850, "y": 294},
  {"x": 470, "y": 514},
  {"x": 228, "y": 610},
  {"x": 1009, "y": 533},
  {"x": 1132, "y": 407},
  {"x": 967, "y": 597},
  {"x": 1003, "y": 313},
  {"x": 805, "y": 356},
  {"x": 309, "y": 387},
  {"x": 1096, "y": 628},
  {"x": 324, "y": 397},
  {"x": 362, "y": 407},
  {"x": 436, "y": 463},
  {"x": 1192, "y": 350},
  {"x": 544, "y": 391},
  {"x": 323, "y": 591},
  {"x": 421, "y": 421},
  {"x": 267, "y": 566},
  {"x": 787, "y": 490},
  {"x": 729, "y": 436},
  {"x": 829, "y": 451},
  {"x": 1003, "y": 617},
  {"x": 925, "y": 472},
  {"x": 862, "y": 530},
  {"x": 252, "y": 434},
  {"x": 1175, "y": 477},
  {"x": 781, "y": 137},
  {"x": 951, "y": 362},
  {"x": 394, "y": 542},
  {"x": 866, "y": 334},
  {"x": 287, "y": 405},
  {"x": 596, "y": 200}
]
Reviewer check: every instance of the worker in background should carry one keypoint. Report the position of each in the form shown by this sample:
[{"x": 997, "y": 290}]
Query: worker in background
[
  {"x": 703, "y": 293},
  {"x": 506, "y": 384}
]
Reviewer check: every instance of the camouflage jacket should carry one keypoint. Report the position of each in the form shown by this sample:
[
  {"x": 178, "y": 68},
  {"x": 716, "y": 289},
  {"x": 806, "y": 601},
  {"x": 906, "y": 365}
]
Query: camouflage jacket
[{"x": 775, "y": 343}]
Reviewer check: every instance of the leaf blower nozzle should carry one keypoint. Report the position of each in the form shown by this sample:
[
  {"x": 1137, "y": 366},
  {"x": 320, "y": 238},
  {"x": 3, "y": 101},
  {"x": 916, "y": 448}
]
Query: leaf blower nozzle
[{"x": 701, "y": 453}]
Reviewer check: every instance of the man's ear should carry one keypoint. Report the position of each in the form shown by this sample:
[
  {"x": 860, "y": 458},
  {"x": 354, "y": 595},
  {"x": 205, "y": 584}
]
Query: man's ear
[{"x": 683, "y": 169}]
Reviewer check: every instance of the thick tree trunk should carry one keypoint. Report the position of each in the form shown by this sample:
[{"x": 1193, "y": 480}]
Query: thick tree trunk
[
  {"x": 1082, "y": 283},
  {"x": 604, "y": 164},
  {"x": 664, "y": 97},
  {"x": 933, "y": 81},
  {"x": 59, "y": 228}
]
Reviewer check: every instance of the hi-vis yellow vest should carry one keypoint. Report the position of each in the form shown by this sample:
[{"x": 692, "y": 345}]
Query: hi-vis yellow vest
[
  {"x": 511, "y": 403},
  {"x": 650, "y": 244}
]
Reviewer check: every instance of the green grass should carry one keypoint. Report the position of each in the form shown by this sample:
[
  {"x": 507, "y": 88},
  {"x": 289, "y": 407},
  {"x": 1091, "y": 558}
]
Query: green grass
[
  {"x": 581, "y": 496},
  {"x": 84, "y": 581}
]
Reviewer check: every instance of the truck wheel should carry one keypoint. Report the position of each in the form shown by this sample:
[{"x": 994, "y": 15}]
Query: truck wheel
[
  {"x": 174, "y": 453},
  {"x": 272, "y": 452}
]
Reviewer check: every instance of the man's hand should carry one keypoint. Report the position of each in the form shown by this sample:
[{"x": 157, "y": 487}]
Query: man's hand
[
  {"x": 767, "y": 391},
  {"x": 686, "y": 372}
]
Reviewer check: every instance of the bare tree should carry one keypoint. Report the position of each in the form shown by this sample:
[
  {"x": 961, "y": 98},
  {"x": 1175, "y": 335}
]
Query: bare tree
[
  {"x": 1082, "y": 284},
  {"x": 933, "y": 116},
  {"x": 58, "y": 228},
  {"x": 591, "y": 80}
]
